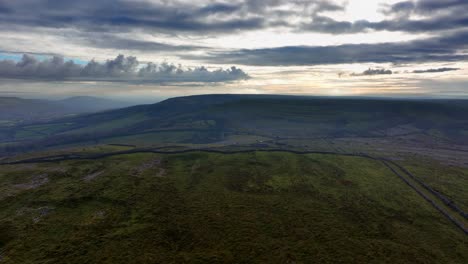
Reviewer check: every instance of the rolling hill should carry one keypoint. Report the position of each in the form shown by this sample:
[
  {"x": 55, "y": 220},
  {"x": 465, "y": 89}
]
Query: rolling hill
[{"x": 217, "y": 118}]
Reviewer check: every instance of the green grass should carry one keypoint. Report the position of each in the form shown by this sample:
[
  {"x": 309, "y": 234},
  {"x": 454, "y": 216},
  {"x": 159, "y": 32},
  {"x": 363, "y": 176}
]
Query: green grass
[
  {"x": 214, "y": 208},
  {"x": 450, "y": 181}
]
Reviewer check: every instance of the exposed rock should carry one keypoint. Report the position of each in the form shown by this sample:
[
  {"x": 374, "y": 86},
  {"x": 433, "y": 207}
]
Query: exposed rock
[
  {"x": 92, "y": 176},
  {"x": 36, "y": 214},
  {"x": 156, "y": 163},
  {"x": 36, "y": 182}
]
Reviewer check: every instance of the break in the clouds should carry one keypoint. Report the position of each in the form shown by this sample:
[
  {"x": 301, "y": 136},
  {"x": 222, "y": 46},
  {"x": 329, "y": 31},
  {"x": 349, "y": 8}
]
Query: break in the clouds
[
  {"x": 294, "y": 46},
  {"x": 126, "y": 69}
]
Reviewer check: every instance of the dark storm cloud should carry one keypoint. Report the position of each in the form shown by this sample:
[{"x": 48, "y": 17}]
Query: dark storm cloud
[
  {"x": 370, "y": 72},
  {"x": 120, "y": 69},
  {"x": 436, "y": 70},
  {"x": 451, "y": 47}
]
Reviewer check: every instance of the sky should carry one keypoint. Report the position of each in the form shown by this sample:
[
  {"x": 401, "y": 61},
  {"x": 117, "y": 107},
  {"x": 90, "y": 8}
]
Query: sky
[{"x": 148, "y": 49}]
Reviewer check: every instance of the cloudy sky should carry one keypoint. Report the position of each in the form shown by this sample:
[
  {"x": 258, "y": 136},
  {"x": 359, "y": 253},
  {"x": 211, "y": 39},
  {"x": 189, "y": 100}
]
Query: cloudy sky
[{"x": 145, "y": 49}]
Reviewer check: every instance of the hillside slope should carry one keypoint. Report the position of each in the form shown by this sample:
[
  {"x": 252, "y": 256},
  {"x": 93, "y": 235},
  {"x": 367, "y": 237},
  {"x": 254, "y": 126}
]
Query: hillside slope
[{"x": 210, "y": 118}]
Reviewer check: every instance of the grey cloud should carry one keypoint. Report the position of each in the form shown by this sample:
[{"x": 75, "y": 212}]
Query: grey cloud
[
  {"x": 436, "y": 70},
  {"x": 169, "y": 72},
  {"x": 424, "y": 6},
  {"x": 328, "y": 6},
  {"x": 120, "y": 69},
  {"x": 405, "y": 6},
  {"x": 451, "y": 47},
  {"x": 121, "y": 66},
  {"x": 328, "y": 25},
  {"x": 115, "y": 42},
  {"x": 218, "y": 8},
  {"x": 118, "y": 15},
  {"x": 4, "y": 9},
  {"x": 301, "y": 6},
  {"x": 331, "y": 26},
  {"x": 55, "y": 68},
  {"x": 173, "y": 17},
  {"x": 370, "y": 72}
]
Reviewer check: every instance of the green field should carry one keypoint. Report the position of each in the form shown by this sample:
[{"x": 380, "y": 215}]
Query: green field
[{"x": 256, "y": 207}]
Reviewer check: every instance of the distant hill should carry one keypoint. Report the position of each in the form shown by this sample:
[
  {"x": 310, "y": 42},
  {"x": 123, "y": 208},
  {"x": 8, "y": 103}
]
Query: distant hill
[
  {"x": 91, "y": 104},
  {"x": 14, "y": 109},
  {"x": 211, "y": 118}
]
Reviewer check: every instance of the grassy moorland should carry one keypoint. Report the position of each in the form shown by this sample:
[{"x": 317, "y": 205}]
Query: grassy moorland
[{"x": 215, "y": 208}]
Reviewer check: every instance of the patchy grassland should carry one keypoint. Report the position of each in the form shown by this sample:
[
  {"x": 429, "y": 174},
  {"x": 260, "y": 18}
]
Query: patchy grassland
[{"x": 215, "y": 208}]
